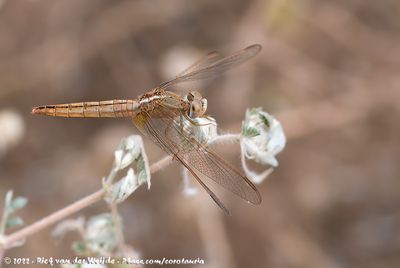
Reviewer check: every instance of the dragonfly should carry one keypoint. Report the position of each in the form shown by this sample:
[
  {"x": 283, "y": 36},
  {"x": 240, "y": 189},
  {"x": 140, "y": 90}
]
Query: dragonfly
[{"x": 159, "y": 114}]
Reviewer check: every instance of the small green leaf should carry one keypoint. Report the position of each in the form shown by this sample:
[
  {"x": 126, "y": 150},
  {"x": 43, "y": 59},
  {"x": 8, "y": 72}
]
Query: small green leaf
[
  {"x": 18, "y": 203},
  {"x": 14, "y": 222},
  {"x": 79, "y": 247},
  {"x": 264, "y": 120},
  {"x": 141, "y": 169},
  {"x": 250, "y": 132}
]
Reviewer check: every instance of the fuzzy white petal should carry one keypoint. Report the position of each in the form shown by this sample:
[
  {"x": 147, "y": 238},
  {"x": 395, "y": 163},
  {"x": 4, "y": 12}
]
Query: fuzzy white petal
[
  {"x": 123, "y": 188},
  {"x": 268, "y": 141}
]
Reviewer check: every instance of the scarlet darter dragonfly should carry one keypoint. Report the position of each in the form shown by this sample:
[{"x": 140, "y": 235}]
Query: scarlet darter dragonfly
[{"x": 159, "y": 115}]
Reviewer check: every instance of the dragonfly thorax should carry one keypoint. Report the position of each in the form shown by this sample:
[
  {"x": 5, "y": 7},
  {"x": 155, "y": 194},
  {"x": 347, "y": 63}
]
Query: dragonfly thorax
[{"x": 198, "y": 104}]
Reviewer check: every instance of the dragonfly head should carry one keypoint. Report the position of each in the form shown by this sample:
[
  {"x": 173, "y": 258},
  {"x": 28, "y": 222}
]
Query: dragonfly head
[{"x": 198, "y": 104}]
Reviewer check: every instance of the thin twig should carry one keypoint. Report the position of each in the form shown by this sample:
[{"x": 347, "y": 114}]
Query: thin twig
[
  {"x": 229, "y": 137},
  {"x": 160, "y": 164},
  {"x": 52, "y": 218},
  {"x": 67, "y": 211}
]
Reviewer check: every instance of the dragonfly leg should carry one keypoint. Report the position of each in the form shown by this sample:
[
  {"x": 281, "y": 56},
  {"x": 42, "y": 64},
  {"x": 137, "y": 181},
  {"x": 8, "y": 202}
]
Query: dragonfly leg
[{"x": 181, "y": 121}]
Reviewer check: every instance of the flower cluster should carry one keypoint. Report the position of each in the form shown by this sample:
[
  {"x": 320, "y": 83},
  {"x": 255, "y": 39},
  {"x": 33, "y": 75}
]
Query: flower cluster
[{"x": 262, "y": 137}]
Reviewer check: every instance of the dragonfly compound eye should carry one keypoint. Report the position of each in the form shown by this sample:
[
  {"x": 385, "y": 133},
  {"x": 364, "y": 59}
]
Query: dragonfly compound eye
[
  {"x": 190, "y": 96},
  {"x": 204, "y": 105},
  {"x": 196, "y": 109},
  {"x": 194, "y": 95}
]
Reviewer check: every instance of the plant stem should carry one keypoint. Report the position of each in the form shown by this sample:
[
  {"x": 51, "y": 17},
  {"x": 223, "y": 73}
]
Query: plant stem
[
  {"x": 12, "y": 239},
  {"x": 53, "y": 218},
  {"x": 160, "y": 164},
  {"x": 3, "y": 220},
  {"x": 226, "y": 138},
  {"x": 5, "y": 215}
]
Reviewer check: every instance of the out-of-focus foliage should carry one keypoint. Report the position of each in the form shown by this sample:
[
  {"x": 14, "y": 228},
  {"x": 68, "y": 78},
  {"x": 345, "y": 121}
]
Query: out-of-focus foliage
[
  {"x": 11, "y": 206},
  {"x": 328, "y": 71},
  {"x": 130, "y": 151}
]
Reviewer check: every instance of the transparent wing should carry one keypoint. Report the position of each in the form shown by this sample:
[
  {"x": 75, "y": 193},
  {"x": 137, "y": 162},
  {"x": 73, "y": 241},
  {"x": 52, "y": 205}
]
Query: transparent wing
[
  {"x": 201, "y": 63},
  {"x": 213, "y": 65},
  {"x": 164, "y": 126}
]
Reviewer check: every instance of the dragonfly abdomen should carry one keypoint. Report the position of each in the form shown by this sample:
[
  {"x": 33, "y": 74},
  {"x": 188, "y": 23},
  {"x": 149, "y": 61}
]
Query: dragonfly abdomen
[{"x": 111, "y": 108}]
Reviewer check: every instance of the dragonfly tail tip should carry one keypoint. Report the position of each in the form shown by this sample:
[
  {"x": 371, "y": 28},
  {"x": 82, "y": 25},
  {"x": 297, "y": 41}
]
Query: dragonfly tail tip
[{"x": 36, "y": 110}]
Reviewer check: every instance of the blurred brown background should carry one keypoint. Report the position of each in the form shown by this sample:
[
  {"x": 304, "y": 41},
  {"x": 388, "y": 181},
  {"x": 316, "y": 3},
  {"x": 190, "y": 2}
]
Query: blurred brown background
[{"x": 329, "y": 70}]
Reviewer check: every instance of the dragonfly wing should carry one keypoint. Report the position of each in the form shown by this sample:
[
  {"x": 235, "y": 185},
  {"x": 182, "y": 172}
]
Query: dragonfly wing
[
  {"x": 142, "y": 122},
  {"x": 165, "y": 127},
  {"x": 201, "y": 63},
  {"x": 212, "y": 65}
]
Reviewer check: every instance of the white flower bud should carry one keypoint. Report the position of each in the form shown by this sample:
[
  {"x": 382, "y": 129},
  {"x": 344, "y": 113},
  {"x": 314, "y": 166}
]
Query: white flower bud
[{"x": 262, "y": 137}]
